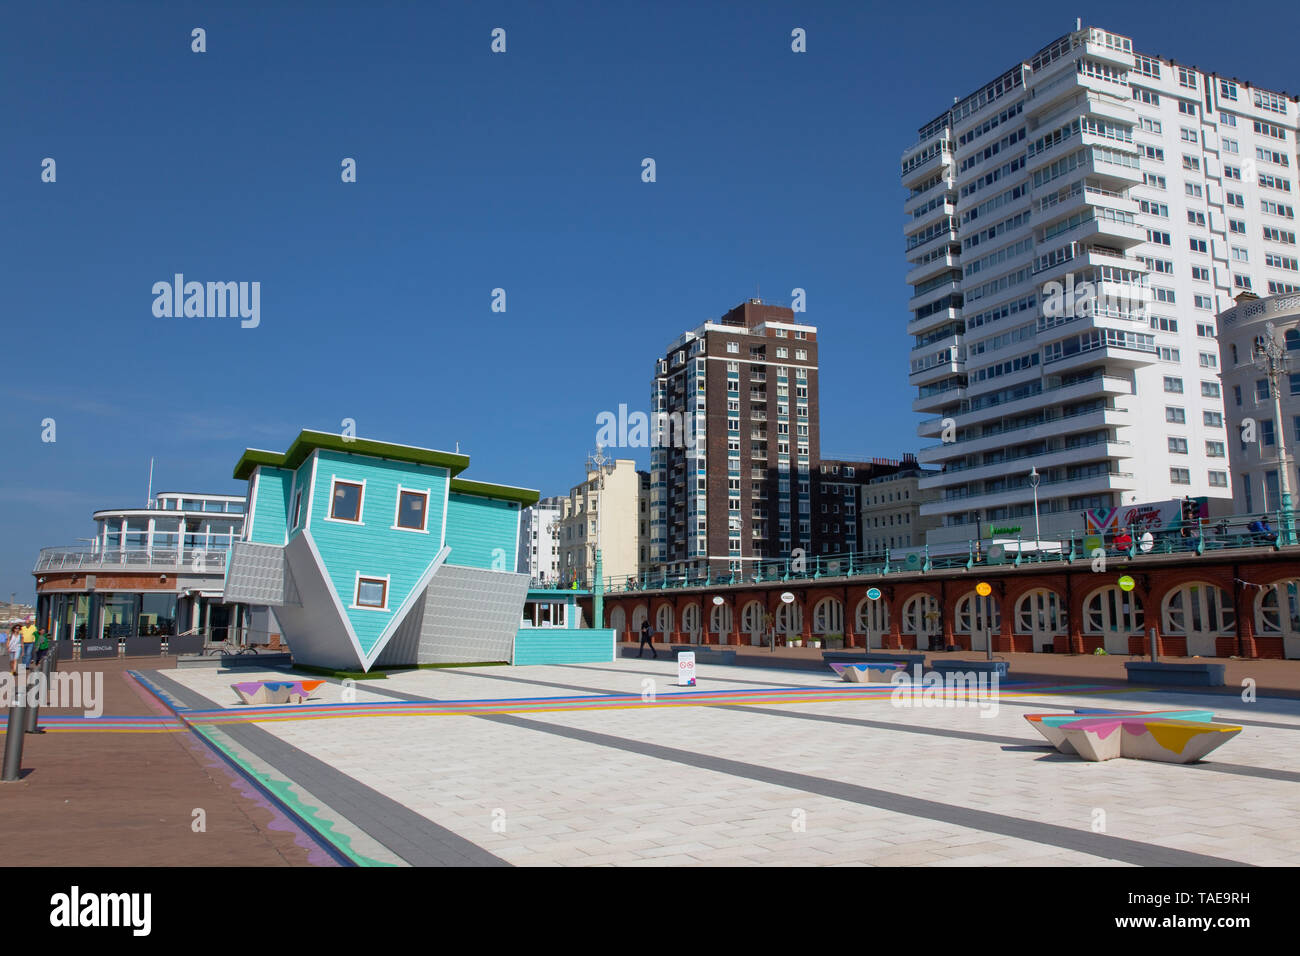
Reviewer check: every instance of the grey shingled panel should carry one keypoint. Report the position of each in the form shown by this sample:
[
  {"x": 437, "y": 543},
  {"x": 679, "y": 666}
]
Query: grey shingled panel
[
  {"x": 471, "y": 615},
  {"x": 257, "y": 574}
]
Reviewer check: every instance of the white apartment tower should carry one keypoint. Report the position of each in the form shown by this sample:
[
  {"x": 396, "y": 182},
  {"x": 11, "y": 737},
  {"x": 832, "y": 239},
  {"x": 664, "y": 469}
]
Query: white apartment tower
[
  {"x": 1088, "y": 163},
  {"x": 539, "y": 541}
]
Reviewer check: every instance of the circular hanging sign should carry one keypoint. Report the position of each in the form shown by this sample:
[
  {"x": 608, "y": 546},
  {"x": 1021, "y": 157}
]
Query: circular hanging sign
[
  {"x": 1092, "y": 542},
  {"x": 787, "y": 597},
  {"x": 1127, "y": 583},
  {"x": 719, "y": 600},
  {"x": 1146, "y": 542},
  {"x": 873, "y": 593},
  {"x": 983, "y": 589},
  {"x": 913, "y": 560}
]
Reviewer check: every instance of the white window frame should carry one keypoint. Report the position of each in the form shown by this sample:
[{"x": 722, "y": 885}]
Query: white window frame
[
  {"x": 361, "y": 505},
  {"x": 356, "y": 591},
  {"x": 397, "y": 510}
]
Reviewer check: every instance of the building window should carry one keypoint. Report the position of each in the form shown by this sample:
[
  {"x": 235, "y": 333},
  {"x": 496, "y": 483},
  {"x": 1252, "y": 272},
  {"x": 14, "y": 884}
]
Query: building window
[
  {"x": 1218, "y": 479},
  {"x": 1173, "y": 385},
  {"x": 297, "y": 506},
  {"x": 372, "y": 593},
  {"x": 733, "y": 346},
  {"x": 345, "y": 500},
  {"x": 1178, "y": 446},
  {"x": 412, "y": 510},
  {"x": 1180, "y": 476}
]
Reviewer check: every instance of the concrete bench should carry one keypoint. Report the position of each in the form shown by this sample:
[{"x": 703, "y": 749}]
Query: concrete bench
[
  {"x": 1178, "y": 675},
  {"x": 707, "y": 653},
  {"x": 275, "y": 692},
  {"x": 856, "y": 672},
  {"x": 1050, "y": 725},
  {"x": 1001, "y": 668},
  {"x": 1147, "y": 737},
  {"x": 861, "y": 657}
]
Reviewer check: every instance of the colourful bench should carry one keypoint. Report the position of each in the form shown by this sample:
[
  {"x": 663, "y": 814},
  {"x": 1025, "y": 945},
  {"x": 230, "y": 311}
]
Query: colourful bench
[
  {"x": 859, "y": 673},
  {"x": 1049, "y": 725},
  {"x": 1147, "y": 737},
  {"x": 275, "y": 692}
]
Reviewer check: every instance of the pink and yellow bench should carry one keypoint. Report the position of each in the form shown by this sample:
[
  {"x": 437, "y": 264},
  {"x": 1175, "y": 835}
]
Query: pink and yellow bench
[{"x": 1172, "y": 736}]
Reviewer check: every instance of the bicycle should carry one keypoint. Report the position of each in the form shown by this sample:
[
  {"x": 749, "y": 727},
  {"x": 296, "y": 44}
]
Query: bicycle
[{"x": 229, "y": 647}]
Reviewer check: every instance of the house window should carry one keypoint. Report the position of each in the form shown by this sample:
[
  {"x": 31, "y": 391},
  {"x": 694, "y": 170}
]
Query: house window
[
  {"x": 412, "y": 510},
  {"x": 345, "y": 500},
  {"x": 372, "y": 593},
  {"x": 297, "y": 506}
]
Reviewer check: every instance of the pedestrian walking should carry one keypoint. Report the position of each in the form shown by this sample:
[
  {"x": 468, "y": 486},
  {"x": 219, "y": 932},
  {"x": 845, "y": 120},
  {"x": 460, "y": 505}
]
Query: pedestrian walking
[
  {"x": 646, "y": 640},
  {"x": 42, "y": 648},
  {"x": 15, "y": 648},
  {"x": 29, "y": 642}
]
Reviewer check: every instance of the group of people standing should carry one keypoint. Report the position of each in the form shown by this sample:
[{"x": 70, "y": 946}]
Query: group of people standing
[{"x": 28, "y": 645}]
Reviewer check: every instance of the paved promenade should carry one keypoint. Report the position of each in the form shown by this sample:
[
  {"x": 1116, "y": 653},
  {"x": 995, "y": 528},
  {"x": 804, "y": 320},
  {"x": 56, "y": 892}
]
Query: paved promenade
[
  {"x": 569, "y": 765},
  {"x": 126, "y": 797}
]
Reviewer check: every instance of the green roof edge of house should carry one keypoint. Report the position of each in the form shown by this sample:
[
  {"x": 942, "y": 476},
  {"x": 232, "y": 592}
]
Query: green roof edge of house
[
  {"x": 525, "y": 496},
  {"x": 309, "y": 441}
]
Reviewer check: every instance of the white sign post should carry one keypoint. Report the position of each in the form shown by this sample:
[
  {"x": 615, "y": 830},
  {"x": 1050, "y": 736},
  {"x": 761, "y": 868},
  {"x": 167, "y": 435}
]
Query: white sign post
[{"x": 685, "y": 668}]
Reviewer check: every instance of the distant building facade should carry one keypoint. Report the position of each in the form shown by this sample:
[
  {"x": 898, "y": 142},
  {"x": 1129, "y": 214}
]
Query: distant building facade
[
  {"x": 1254, "y": 451},
  {"x": 539, "y": 541},
  {"x": 609, "y": 510}
]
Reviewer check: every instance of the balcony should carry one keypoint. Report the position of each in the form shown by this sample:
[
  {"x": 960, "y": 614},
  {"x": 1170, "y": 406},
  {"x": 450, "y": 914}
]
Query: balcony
[
  {"x": 927, "y": 270},
  {"x": 1058, "y": 425},
  {"x": 1065, "y": 487},
  {"x": 80, "y": 558},
  {"x": 940, "y": 364},
  {"x": 933, "y": 321},
  {"x": 914, "y": 173},
  {"x": 1053, "y": 457}
]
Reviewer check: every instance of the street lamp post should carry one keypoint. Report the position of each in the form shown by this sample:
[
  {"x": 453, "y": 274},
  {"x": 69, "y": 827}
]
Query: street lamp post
[
  {"x": 1271, "y": 358},
  {"x": 601, "y": 465},
  {"x": 1034, "y": 479}
]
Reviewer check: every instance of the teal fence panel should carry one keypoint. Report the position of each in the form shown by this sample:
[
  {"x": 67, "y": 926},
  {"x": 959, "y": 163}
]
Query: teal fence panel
[{"x": 563, "y": 645}]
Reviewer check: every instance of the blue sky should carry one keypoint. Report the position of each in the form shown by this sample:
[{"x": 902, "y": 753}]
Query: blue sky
[{"x": 475, "y": 171}]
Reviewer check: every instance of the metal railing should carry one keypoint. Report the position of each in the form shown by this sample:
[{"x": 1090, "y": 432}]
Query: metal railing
[
  {"x": 197, "y": 560},
  {"x": 1205, "y": 535}
]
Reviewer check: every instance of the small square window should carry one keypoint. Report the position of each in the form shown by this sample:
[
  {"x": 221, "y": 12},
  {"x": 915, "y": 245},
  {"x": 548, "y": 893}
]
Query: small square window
[
  {"x": 345, "y": 501},
  {"x": 372, "y": 592}
]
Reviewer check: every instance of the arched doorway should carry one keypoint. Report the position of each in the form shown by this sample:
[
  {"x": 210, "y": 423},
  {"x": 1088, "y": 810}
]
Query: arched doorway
[
  {"x": 828, "y": 618},
  {"x": 1114, "y": 615},
  {"x": 1041, "y": 614},
  {"x": 872, "y": 619},
  {"x": 1201, "y": 613},
  {"x": 664, "y": 622},
  {"x": 789, "y": 621},
  {"x": 977, "y": 617},
  {"x": 1277, "y": 614},
  {"x": 720, "y": 621},
  {"x": 640, "y": 614},
  {"x": 618, "y": 621},
  {"x": 691, "y": 623},
  {"x": 921, "y": 619},
  {"x": 751, "y": 622}
]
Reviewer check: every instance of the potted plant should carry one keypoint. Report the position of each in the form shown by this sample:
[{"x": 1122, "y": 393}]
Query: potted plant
[{"x": 835, "y": 640}]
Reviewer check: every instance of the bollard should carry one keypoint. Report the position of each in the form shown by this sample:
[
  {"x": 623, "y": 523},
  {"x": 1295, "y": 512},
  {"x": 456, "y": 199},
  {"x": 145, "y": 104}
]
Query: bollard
[
  {"x": 34, "y": 700},
  {"x": 13, "y": 745}
]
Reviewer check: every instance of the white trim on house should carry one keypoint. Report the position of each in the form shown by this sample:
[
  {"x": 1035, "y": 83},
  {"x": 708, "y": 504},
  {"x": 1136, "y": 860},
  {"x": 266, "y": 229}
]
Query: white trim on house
[
  {"x": 251, "y": 504},
  {"x": 311, "y": 488}
]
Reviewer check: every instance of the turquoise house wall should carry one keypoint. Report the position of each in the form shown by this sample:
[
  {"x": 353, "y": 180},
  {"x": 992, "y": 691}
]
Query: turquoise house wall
[
  {"x": 560, "y": 645},
  {"x": 270, "y": 505},
  {"x": 478, "y": 526},
  {"x": 375, "y": 547}
]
